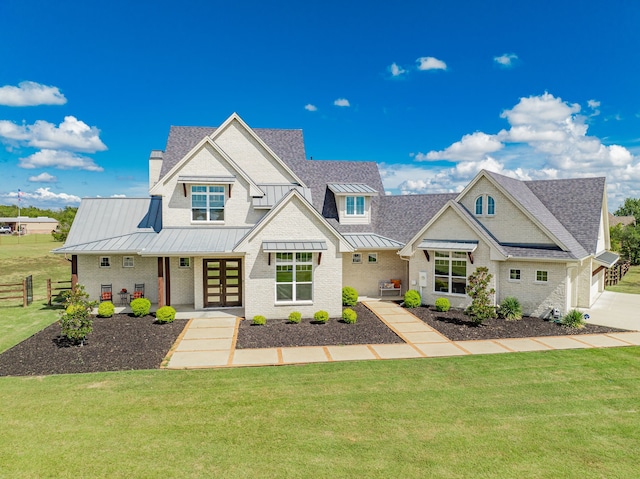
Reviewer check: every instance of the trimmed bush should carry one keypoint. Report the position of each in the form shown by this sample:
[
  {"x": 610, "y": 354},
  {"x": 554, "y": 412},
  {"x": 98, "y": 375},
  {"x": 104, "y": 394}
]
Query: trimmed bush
[
  {"x": 349, "y": 296},
  {"x": 140, "y": 306},
  {"x": 442, "y": 305},
  {"x": 259, "y": 320},
  {"x": 574, "y": 319},
  {"x": 349, "y": 316},
  {"x": 412, "y": 299},
  {"x": 321, "y": 316},
  {"x": 510, "y": 309},
  {"x": 166, "y": 314},
  {"x": 75, "y": 321},
  {"x": 295, "y": 317},
  {"x": 106, "y": 309}
]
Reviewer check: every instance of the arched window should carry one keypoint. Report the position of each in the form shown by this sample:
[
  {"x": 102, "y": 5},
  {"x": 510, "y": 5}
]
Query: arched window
[
  {"x": 479, "y": 206},
  {"x": 491, "y": 206}
]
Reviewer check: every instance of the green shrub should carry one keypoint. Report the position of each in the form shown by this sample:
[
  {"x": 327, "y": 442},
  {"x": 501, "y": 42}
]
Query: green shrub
[
  {"x": 412, "y": 299},
  {"x": 442, "y": 305},
  {"x": 140, "y": 306},
  {"x": 478, "y": 289},
  {"x": 295, "y": 317},
  {"x": 106, "y": 309},
  {"x": 75, "y": 321},
  {"x": 259, "y": 320},
  {"x": 349, "y": 296},
  {"x": 166, "y": 314},
  {"x": 574, "y": 319},
  {"x": 349, "y": 316},
  {"x": 321, "y": 316},
  {"x": 510, "y": 309}
]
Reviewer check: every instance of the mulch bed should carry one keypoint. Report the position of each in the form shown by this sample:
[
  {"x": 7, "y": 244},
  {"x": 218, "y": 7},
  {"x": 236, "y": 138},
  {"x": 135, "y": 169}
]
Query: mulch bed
[
  {"x": 121, "y": 342},
  {"x": 457, "y": 326},
  {"x": 368, "y": 329}
]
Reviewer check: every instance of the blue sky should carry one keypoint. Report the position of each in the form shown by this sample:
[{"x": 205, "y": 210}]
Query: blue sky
[{"x": 432, "y": 91}]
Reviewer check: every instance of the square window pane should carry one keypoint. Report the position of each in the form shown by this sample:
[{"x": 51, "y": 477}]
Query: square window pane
[
  {"x": 442, "y": 267},
  {"x": 541, "y": 276},
  {"x": 199, "y": 201},
  {"x": 284, "y": 292},
  {"x": 514, "y": 274},
  {"x": 442, "y": 284},
  {"x": 199, "y": 215},
  {"x": 356, "y": 258},
  {"x": 304, "y": 273},
  {"x": 284, "y": 275},
  {"x": 459, "y": 268},
  {"x": 216, "y": 215},
  {"x": 303, "y": 292},
  {"x": 185, "y": 262},
  {"x": 373, "y": 257},
  {"x": 458, "y": 285}
]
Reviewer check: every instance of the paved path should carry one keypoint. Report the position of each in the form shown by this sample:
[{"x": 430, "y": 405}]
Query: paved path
[{"x": 210, "y": 342}]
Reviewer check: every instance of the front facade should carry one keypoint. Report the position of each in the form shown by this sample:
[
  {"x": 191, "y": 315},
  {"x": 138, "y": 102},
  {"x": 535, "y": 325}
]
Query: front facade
[{"x": 237, "y": 217}]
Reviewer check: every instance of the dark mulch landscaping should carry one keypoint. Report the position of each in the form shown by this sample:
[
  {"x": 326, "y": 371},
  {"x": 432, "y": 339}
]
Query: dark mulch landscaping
[
  {"x": 119, "y": 343},
  {"x": 368, "y": 329},
  {"x": 457, "y": 326}
]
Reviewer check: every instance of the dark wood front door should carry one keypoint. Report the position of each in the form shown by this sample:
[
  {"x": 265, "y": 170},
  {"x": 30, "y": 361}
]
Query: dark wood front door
[{"x": 222, "y": 282}]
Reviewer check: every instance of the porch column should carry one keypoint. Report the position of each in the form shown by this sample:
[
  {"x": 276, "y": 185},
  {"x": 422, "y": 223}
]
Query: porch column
[
  {"x": 160, "y": 284},
  {"x": 167, "y": 279},
  {"x": 74, "y": 270}
]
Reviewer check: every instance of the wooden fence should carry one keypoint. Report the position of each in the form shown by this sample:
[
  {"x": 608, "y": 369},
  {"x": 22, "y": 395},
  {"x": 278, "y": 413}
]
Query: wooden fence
[
  {"x": 616, "y": 273},
  {"x": 55, "y": 288},
  {"x": 25, "y": 289}
]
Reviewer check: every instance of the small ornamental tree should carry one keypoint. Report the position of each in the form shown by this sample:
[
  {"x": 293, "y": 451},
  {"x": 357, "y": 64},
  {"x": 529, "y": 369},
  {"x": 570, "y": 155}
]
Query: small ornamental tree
[
  {"x": 481, "y": 294},
  {"x": 75, "y": 321}
]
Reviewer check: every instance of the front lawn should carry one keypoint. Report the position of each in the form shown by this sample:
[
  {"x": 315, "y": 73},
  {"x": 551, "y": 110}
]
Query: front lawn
[{"x": 569, "y": 414}]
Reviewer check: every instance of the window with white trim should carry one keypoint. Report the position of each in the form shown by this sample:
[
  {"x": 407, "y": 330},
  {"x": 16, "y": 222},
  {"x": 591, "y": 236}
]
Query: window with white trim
[
  {"x": 355, "y": 205},
  {"x": 105, "y": 262},
  {"x": 491, "y": 206},
  {"x": 479, "y": 206},
  {"x": 207, "y": 202},
  {"x": 514, "y": 275},
  {"x": 294, "y": 276},
  {"x": 184, "y": 262},
  {"x": 372, "y": 258},
  {"x": 356, "y": 258},
  {"x": 450, "y": 272},
  {"x": 127, "y": 261},
  {"x": 480, "y": 209},
  {"x": 542, "y": 276}
]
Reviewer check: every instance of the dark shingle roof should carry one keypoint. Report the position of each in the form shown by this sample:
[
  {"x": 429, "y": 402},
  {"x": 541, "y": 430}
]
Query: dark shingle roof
[{"x": 287, "y": 144}]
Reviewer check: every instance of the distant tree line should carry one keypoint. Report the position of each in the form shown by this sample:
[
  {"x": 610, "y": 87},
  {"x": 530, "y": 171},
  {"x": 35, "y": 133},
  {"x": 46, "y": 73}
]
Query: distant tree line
[
  {"x": 64, "y": 217},
  {"x": 625, "y": 240}
]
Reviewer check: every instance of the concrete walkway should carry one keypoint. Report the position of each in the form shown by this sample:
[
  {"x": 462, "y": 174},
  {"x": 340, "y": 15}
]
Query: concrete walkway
[{"x": 210, "y": 342}]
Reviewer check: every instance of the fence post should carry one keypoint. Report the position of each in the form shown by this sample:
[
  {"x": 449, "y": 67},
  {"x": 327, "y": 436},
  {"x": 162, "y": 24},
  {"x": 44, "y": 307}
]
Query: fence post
[
  {"x": 24, "y": 293},
  {"x": 49, "y": 291}
]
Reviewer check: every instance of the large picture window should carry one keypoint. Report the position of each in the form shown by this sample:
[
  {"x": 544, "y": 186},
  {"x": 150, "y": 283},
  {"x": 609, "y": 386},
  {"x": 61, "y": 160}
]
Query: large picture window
[
  {"x": 355, "y": 205},
  {"x": 294, "y": 276},
  {"x": 450, "y": 272},
  {"x": 207, "y": 203}
]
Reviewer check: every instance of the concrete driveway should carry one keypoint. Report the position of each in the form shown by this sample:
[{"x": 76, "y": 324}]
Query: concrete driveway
[{"x": 616, "y": 310}]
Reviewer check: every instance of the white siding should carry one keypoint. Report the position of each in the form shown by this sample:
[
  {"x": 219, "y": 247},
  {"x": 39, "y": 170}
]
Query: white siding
[{"x": 364, "y": 277}]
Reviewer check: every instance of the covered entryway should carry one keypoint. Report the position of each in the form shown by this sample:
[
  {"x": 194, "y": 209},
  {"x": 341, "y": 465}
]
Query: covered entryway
[{"x": 222, "y": 282}]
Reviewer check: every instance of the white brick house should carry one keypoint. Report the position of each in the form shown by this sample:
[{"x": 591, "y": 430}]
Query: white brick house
[{"x": 237, "y": 217}]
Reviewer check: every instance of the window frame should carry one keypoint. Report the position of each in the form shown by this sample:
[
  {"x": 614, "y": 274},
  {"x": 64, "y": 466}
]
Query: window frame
[
  {"x": 356, "y": 258},
  {"x": 450, "y": 258},
  {"x": 519, "y": 274},
  {"x": 491, "y": 206},
  {"x": 541, "y": 273},
  {"x": 103, "y": 263},
  {"x": 125, "y": 263},
  {"x": 293, "y": 264},
  {"x": 372, "y": 256},
  {"x": 208, "y": 192},
  {"x": 479, "y": 203},
  {"x": 181, "y": 263},
  {"x": 359, "y": 202}
]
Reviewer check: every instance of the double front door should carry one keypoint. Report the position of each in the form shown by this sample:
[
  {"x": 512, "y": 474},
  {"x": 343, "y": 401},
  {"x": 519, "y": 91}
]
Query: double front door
[{"x": 222, "y": 282}]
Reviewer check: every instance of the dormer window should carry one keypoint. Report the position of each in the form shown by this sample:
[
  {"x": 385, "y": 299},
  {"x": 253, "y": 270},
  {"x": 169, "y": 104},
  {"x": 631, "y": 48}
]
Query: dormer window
[
  {"x": 207, "y": 203},
  {"x": 490, "y": 206},
  {"x": 355, "y": 205}
]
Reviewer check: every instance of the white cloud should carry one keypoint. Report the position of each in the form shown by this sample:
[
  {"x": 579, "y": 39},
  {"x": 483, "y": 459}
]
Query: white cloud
[
  {"x": 29, "y": 93},
  {"x": 546, "y": 139},
  {"x": 43, "y": 178},
  {"x": 310, "y": 107},
  {"x": 469, "y": 147},
  {"x": 44, "y": 197},
  {"x": 430, "y": 63},
  {"x": 396, "y": 70},
  {"x": 71, "y": 134},
  {"x": 341, "y": 102},
  {"x": 506, "y": 60},
  {"x": 62, "y": 160},
  {"x": 118, "y": 196}
]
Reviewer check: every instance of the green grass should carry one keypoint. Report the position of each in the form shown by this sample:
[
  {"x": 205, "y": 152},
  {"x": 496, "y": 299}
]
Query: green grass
[
  {"x": 629, "y": 284},
  {"x": 569, "y": 414},
  {"x": 20, "y": 257}
]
